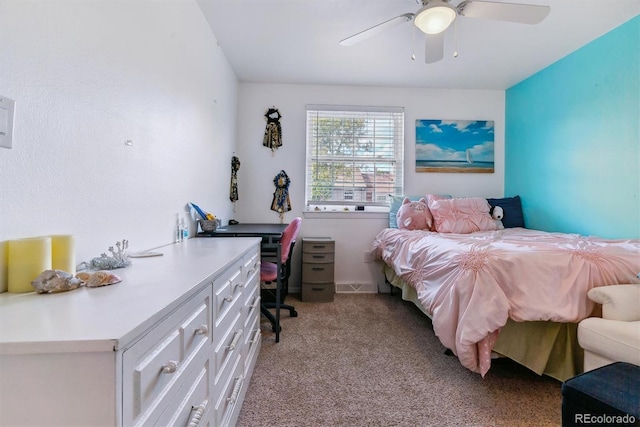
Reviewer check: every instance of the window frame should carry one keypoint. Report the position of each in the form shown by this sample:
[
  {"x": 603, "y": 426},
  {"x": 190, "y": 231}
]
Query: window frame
[{"x": 388, "y": 141}]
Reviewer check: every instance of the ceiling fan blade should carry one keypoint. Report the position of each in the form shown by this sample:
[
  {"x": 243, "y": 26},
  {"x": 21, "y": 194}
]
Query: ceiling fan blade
[
  {"x": 376, "y": 29},
  {"x": 434, "y": 48},
  {"x": 511, "y": 12}
]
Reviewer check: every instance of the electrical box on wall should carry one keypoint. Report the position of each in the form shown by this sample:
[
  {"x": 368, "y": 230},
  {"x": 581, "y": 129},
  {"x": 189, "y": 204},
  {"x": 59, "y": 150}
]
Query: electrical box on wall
[{"x": 7, "y": 108}]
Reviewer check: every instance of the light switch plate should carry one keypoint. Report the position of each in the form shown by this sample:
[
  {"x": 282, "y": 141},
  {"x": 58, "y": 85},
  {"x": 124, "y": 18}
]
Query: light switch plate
[{"x": 7, "y": 113}]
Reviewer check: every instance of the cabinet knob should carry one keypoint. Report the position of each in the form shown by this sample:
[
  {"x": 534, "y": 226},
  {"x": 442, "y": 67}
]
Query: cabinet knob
[
  {"x": 170, "y": 367},
  {"x": 197, "y": 411},
  {"x": 228, "y": 298},
  {"x": 202, "y": 330},
  {"x": 236, "y": 339},
  {"x": 237, "y": 386},
  {"x": 256, "y": 303}
]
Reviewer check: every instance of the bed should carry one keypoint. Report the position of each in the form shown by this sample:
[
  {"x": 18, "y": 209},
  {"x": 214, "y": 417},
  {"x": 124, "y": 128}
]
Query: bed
[{"x": 510, "y": 291}]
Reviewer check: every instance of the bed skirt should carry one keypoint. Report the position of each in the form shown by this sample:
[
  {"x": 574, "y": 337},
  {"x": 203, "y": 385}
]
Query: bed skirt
[{"x": 546, "y": 348}]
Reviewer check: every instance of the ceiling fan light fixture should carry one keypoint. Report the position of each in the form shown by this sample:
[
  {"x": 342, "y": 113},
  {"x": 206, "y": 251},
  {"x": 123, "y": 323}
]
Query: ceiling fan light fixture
[{"x": 435, "y": 17}]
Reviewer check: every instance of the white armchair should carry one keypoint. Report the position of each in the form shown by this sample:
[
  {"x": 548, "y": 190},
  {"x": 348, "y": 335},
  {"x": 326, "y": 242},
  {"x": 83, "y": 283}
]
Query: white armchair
[{"x": 616, "y": 336}]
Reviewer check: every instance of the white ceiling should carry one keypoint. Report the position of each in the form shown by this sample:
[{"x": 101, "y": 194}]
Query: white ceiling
[{"x": 296, "y": 41}]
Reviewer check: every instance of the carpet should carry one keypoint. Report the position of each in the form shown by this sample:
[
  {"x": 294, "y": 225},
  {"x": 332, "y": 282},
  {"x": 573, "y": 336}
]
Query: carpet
[{"x": 373, "y": 360}]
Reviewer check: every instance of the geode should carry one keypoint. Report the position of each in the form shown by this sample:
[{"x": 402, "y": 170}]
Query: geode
[{"x": 54, "y": 281}]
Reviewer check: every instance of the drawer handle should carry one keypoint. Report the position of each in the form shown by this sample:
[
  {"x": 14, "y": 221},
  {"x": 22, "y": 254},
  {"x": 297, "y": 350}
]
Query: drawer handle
[
  {"x": 256, "y": 336},
  {"x": 236, "y": 338},
  {"x": 197, "y": 415},
  {"x": 202, "y": 330},
  {"x": 318, "y": 256},
  {"x": 236, "y": 389},
  {"x": 256, "y": 303},
  {"x": 317, "y": 268},
  {"x": 240, "y": 285},
  {"x": 317, "y": 289},
  {"x": 318, "y": 246},
  {"x": 170, "y": 367},
  {"x": 228, "y": 298}
]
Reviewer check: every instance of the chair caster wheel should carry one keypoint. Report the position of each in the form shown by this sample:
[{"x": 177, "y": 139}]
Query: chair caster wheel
[
  {"x": 273, "y": 328},
  {"x": 293, "y": 313}
]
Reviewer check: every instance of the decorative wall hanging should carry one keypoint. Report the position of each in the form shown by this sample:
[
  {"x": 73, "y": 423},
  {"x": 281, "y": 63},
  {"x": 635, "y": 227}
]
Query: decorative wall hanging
[
  {"x": 281, "y": 202},
  {"x": 273, "y": 133},
  {"x": 233, "y": 192},
  {"x": 455, "y": 146}
]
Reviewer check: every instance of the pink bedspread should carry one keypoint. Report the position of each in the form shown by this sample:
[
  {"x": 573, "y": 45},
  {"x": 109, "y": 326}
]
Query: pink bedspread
[{"x": 470, "y": 284}]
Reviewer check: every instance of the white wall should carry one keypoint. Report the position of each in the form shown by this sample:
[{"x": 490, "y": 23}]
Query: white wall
[
  {"x": 353, "y": 232},
  {"x": 88, "y": 76}
]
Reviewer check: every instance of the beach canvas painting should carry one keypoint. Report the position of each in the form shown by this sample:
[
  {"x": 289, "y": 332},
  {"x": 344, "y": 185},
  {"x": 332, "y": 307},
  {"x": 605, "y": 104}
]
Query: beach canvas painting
[{"x": 454, "y": 146}]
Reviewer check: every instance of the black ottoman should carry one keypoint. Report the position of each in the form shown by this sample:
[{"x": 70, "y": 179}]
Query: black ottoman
[{"x": 606, "y": 396}]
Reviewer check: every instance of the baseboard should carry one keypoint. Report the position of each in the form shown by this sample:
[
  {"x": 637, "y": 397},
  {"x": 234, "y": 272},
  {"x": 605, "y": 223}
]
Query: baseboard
[
  {"x": 359, "y": 288},
  {"x": 350, "y": 288}
]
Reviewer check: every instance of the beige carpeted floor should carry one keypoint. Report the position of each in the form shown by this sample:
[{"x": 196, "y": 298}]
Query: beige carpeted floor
[{"x": 373, "y": 360}]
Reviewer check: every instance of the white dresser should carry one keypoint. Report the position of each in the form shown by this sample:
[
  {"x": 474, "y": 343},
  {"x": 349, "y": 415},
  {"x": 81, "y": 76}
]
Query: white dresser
[{"x": 174, "y": 343}]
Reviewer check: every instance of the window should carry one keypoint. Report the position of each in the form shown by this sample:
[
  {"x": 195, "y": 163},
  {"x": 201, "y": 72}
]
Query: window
[{"x": 354, "y": 155}]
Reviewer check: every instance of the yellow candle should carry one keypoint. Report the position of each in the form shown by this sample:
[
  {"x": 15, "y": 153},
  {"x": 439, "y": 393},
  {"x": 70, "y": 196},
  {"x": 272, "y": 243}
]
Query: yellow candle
[
  {"x": 27, "y": 258},
  {"x": 4, "y": 262},
  {"x": 63, "y": 253}
]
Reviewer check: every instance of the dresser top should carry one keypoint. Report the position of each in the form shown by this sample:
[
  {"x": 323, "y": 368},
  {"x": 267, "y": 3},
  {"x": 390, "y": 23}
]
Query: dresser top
[{"x": 107, "y": 318}]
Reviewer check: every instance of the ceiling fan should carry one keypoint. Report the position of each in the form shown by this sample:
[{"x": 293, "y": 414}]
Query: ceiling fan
[{"x": 435, "y": 16}]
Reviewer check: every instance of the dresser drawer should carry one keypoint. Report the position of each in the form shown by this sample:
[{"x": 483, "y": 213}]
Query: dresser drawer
[
  {"x": 231, "y": 394},
  {"x": 155, "y": 364},
  {"x": 252, "y": 343},
  {"x": 228, "y": 347},
  {"x": 227, "y": 290},
  {"x": 313, "y": 257},
  {"x": 318, "y": 245},
  {"x": 251, "y": 267},
  {"x": 194, "y": 398},
  {"x": 317, "y": 273},
  {"x": 317, "y": 292}
]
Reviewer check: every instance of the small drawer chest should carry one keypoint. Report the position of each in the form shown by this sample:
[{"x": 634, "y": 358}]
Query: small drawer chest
[{"x": 318, "y": 257}]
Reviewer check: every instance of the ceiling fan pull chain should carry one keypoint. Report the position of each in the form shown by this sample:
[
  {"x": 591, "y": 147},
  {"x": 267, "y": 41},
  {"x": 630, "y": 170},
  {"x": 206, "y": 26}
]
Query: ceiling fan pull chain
[{"x": 455, "y": 38}]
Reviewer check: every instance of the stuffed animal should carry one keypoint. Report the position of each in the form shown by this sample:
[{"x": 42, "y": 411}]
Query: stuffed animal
[
  {"x": 497, "y": 213},
  {"x": 414, "y": 215}
]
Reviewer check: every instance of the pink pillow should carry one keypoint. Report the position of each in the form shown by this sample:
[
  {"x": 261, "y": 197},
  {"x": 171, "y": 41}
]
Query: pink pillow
[
  {"x": 414, "y": 215},
  {"x": 431, "y": 198},
  {"x": 462, "y": 215}
]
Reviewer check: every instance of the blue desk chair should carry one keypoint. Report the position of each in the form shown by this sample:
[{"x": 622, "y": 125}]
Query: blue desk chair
[{"x": 275, "y": 267}]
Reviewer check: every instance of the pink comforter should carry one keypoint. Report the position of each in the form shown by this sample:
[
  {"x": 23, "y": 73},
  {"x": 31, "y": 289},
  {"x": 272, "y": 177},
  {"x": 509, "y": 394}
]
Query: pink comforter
[{"x": 470, "y": 284}]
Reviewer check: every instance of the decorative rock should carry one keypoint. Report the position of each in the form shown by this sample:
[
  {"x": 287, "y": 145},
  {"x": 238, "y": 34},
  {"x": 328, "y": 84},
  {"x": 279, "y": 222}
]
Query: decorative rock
[
  {"x": 102, "y": 278},
  {"x": 84, "y": 275},
  {"x": 54, "y": 281}
]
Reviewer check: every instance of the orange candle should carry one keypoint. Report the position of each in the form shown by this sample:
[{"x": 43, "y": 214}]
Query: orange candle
[{"x": 27, "y": 258}]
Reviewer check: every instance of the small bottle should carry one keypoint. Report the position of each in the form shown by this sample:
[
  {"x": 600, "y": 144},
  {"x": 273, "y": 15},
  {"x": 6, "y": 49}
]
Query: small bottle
[
  {"x": 185, "y": 229},
  {"x": 179, "y": 233}
]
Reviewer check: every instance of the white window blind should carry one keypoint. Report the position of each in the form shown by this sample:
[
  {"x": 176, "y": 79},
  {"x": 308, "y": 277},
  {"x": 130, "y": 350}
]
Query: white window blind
[{"x": 355, "y": 155}]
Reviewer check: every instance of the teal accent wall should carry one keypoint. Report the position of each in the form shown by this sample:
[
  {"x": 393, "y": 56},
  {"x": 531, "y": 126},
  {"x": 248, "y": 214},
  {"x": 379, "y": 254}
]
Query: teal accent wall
[{"x": 572, "y": 139}]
